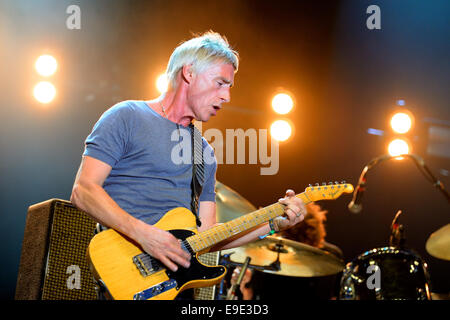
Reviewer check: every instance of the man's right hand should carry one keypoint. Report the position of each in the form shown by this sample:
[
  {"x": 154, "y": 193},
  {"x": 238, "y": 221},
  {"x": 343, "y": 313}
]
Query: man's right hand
[
  {"x": 89, "y": 196},
  {"x": 162, "y": 245}
]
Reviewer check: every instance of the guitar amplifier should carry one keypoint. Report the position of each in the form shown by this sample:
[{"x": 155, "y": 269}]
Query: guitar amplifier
[{"x": 53, "y": 262}]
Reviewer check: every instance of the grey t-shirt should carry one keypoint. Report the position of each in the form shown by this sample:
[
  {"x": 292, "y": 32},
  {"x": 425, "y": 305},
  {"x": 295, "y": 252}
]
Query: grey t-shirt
[{"x": 147, "y": 177}]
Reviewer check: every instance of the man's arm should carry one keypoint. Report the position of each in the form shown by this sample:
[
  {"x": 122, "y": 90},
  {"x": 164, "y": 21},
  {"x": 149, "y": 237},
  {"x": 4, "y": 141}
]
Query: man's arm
[
  {"x": 294, "y": 213},
  {"x": 88, "y": 195}
]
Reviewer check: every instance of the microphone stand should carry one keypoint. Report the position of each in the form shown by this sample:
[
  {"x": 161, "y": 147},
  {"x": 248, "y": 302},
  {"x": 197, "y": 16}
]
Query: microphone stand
[
  {"x": 355, "y": 205},
  {"x": 418, "y": 161}
]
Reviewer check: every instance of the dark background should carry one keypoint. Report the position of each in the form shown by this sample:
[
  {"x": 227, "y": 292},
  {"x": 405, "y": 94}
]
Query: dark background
[{"x": 345, "y": 79}]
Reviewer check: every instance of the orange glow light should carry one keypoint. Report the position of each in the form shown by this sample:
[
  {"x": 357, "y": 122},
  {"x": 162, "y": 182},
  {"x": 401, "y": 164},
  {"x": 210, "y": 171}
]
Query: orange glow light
[
  {"x": 44, "y": 92},
  {"x": 280, "y": 130}
]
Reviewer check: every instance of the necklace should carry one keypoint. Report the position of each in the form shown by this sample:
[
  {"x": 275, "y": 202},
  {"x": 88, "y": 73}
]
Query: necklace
[{"x": 178, "y": 126}]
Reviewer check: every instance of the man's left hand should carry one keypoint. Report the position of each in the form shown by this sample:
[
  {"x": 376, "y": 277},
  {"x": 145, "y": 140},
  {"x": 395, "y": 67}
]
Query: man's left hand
[{"x": 294, "y": 211}]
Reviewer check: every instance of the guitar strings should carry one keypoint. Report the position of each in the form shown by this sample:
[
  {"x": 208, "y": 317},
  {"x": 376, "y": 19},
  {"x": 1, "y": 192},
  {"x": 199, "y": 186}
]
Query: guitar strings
[
  {"x": 266, "y": 213},
  {"x": 221, "y": 232}
]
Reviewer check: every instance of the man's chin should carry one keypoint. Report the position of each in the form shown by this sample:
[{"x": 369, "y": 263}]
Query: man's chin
[
  {"x": 207, "y": 117},
  {"x": 202, "y": 119}
]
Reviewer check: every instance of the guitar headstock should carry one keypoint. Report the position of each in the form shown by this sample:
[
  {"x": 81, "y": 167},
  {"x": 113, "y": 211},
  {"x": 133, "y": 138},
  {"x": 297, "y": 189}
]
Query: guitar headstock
[{"x": 328, "y": 191}]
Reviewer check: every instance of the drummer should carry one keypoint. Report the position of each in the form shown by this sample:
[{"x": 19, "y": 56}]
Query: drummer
[{"x": 310, "y": 231}]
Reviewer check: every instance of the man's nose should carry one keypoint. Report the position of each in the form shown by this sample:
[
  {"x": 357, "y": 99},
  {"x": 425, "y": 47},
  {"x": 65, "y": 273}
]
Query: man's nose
[{"x": 225, "y": 95}]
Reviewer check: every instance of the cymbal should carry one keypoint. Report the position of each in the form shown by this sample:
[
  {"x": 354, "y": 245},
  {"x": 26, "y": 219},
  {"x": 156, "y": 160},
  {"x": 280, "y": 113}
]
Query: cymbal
[
  {"x": 230, "y": 204},
  {"x": 286, "y": 257},
  {"x": 438, "y": 244}
]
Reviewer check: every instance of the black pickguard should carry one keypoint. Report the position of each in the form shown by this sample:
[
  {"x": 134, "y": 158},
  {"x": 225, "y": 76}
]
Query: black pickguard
[{"x": 196, "y": 270}]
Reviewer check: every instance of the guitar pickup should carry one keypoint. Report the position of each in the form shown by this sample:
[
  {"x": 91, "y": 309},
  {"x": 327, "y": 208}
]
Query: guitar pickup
[{"x": 146, "y": 264}]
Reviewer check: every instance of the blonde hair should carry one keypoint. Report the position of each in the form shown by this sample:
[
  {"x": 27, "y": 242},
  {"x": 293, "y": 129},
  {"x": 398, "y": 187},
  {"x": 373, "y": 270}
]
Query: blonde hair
[{"x": 201, "y": 51}]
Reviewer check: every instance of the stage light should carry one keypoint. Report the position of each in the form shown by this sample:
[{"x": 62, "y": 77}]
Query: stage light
[
  {"x": 280, "y": 130},
  {"x": 46, "y": 65},
  {"x": 401, "y": 122},
  {"x": 282, "y": 103},
  {"x": 397, "y": 147},
  {"x": 44, "y": 92},
  {"x": 162, "y": 83}
]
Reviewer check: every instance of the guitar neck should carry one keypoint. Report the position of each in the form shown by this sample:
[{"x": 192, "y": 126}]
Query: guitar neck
[{"x": 210, "y": 237}]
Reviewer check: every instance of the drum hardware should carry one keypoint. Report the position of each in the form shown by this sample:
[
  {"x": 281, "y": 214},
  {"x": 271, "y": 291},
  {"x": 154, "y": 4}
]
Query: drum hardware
[
  {"x": 402, "y": 275},
  {"x": 387, "y": 273},
  {"x": 285, "y": 257},
  {"x": 232, "y": 292},
  {"x": 278, "y": 248},
  {"x": 226, "y": 260},
  {"x": 397, "y": 237}
]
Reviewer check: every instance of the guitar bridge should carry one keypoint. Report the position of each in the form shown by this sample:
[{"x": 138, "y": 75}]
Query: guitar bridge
[
  {"x": 146, "y": 264},
  {"x": 155, "y": 290}
]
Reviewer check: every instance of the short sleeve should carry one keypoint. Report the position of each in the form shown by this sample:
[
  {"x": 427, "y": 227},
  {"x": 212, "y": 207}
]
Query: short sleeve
[{"x": 108, "y": 139}]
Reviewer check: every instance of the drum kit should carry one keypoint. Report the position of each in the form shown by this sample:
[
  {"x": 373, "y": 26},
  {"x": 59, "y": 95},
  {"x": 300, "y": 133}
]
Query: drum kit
[{"x": 387, "y": 273}]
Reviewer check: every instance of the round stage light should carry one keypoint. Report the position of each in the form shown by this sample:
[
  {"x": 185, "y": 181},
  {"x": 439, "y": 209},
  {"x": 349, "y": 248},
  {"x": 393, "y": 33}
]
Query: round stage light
[
  {"x": 44, "y": 92},
  {"x": 46, "y": 65},
  {"x": 162, "y": 83},
  {"x": 280, "y": 130},
  {"x": 401, "y": 122},
  {"x": 397, "y": 147},
  {"x": 282, "y": 103}
]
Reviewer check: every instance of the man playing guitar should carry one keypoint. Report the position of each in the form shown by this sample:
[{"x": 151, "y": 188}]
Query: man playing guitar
[{"x": 127, "y": 178}]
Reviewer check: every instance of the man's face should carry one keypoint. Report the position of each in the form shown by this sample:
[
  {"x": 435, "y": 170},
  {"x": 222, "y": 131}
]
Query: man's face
[{"x": 209, "y": 89}]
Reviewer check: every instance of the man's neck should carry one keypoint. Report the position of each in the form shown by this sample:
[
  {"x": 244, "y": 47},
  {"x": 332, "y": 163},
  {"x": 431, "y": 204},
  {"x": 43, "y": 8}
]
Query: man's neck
[{"x": 175, "y": 107}]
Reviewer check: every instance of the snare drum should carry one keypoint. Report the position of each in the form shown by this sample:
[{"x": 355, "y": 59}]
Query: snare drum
[{"x": 388, "y": 273}]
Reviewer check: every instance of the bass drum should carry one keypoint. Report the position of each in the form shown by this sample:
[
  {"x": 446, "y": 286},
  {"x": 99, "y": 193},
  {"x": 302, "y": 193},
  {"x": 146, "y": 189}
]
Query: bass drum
[{"x": 388, "y": 273}]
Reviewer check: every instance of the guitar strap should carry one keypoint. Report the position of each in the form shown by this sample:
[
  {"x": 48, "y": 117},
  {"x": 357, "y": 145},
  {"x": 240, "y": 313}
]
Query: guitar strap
[{"x": 198, "y": 171}]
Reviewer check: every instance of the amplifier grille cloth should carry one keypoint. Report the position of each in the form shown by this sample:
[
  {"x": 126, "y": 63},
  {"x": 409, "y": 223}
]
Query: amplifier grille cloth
[{"x": 67, "y": 274}]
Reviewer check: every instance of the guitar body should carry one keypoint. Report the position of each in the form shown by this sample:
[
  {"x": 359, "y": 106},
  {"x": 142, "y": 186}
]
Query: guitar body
[{"x": 128, "y": 273}]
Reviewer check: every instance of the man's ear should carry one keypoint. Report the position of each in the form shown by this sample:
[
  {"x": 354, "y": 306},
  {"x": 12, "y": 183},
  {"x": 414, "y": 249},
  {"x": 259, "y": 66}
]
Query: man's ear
[{"x": 187, "y": 72}]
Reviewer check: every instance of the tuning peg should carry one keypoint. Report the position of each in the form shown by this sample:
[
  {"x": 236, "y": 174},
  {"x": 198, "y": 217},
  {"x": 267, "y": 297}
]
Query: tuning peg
[
  {"x": 324, "y": 183},
  {"x": 343, "y": 182},
  {"x": 336, "y": 182},
  {"x": 310, "y": 185},
  {"x": 317, "y": 184}
]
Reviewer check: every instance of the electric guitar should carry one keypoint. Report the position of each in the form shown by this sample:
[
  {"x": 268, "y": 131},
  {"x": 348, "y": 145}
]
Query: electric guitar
[{"x": 127, "y": 272}]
